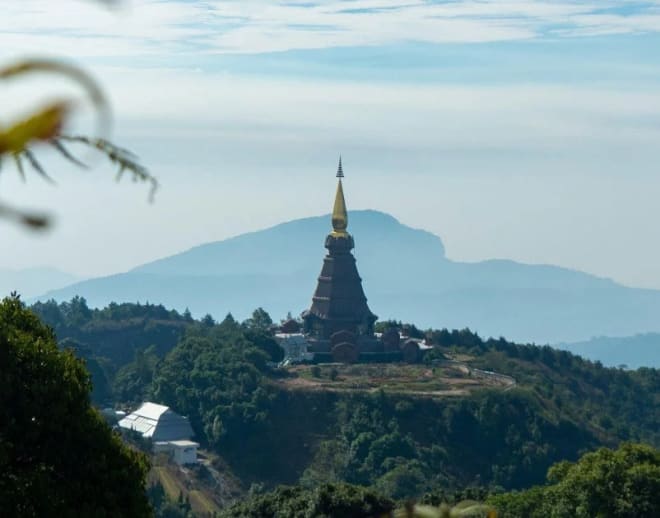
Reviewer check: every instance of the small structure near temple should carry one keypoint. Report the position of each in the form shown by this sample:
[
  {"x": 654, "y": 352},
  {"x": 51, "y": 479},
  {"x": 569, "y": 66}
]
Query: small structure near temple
[
  {"x": 339, "y": 326},
  {"x": 169, "y": 431}
]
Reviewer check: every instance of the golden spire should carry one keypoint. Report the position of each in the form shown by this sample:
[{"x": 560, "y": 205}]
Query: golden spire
[{"x": 339, "y": 214}]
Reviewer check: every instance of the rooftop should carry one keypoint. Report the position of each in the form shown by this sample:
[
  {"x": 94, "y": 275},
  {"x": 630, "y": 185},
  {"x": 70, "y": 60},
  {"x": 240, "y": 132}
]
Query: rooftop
[{"x": 157, "y": 422}]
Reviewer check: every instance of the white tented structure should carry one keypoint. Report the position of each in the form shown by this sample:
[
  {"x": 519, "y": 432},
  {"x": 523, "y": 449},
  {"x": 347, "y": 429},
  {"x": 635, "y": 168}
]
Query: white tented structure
[{"x": 158, "y": 423}]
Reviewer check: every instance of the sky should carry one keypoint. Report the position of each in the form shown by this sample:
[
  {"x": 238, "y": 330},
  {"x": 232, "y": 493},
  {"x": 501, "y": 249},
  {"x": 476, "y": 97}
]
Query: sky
[{"x": 526, "y": 130}]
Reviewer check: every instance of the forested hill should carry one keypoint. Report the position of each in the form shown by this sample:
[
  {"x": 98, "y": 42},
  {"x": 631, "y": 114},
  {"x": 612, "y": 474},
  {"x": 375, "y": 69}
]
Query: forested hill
[
  {"x": 220, "y": 376},
  {"x": 406, "y": 275},
  {"x": 112, "y": 337}
]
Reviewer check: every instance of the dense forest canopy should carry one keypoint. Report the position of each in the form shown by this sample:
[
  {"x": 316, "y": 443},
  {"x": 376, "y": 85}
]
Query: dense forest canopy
[
  {"x": 616, "y": 484},
  {"x": 609, "y": 483}
]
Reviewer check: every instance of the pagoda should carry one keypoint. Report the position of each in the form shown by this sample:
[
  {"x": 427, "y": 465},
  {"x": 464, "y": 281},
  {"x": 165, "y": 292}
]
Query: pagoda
[{"x": 339, "y": 321}]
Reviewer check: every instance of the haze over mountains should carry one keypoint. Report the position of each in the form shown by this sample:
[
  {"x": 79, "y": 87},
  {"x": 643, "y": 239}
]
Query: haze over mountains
[
  {"x": 641, "y": 350},
  {"x": 33, "y": 281},
  {"x": 406, "y": 276}
]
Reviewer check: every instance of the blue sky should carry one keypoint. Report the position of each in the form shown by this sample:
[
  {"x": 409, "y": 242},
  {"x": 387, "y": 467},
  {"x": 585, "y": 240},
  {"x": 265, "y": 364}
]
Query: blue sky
[{"x": 523, "y": 129}]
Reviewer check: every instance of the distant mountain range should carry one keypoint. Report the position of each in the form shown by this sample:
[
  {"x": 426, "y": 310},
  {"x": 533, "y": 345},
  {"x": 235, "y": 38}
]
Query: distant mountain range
[
  {"x": 33, "y": 281},
  {"x": 406, "y": 276},
  {"x": 642, "y": 350}
]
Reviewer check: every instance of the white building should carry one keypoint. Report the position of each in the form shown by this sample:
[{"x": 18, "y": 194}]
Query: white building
[
  {"x": 169, "y": 431},
  {"x": 295, "y": 347},
  {"x": 182, "y": 452},
  {"x": 158, "y": 423}
]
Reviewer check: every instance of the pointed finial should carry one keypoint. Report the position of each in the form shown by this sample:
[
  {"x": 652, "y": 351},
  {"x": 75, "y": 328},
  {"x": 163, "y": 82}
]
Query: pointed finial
[{"x": 339, "y": 213}]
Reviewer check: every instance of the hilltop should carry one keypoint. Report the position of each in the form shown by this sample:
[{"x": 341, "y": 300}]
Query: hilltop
[{"x": 484, "y": 412}]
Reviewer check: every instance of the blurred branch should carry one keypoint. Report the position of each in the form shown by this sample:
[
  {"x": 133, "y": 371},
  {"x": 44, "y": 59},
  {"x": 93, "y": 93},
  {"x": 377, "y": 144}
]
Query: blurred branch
[
  {"x": 45, "y": 125},
  {"x": 123, "y": 158},
  {"x": 48, "y": 122},
  {"x": 30, "y": 219}
]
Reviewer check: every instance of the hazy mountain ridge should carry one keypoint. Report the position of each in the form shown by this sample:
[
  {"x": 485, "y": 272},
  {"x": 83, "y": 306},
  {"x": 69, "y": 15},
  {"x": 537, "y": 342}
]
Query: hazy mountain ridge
[
  {"x": 641, "y": 350},
  {"x": 31, "y": 282},
  {"x": 406, "y": 276}
]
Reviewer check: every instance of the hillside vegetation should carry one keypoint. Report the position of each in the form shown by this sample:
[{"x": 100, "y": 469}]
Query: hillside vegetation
[
  {"x": 221, "y": 376},
  {"x": 613, "y": 484},
  {"x": 58, "y": 457}
]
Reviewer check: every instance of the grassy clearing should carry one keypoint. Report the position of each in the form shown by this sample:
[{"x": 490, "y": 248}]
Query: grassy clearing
[
  {"x": 171, "y": 485},
  {"x": 176, "y": 482},
  {"x": 441, "y": 380},
  {"x": 201, "y": 504}
]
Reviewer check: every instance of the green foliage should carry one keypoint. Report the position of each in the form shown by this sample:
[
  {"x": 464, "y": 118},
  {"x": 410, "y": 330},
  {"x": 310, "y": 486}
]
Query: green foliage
[
  {"x": 406, "y": 479},
  {"x": 215, "y": 376},
  {"x": 495, "y": 439},
  {"x": 166, "y": 508},
  {"x": 264, "y": 340},
  {"x": 109, "y": 340},
  {"x": 218, "y": 375},
  {"x": 402, "y": 445},
  {"x": 98, "y": 369},
  {"x": 620, "y": 483},
  {"x": 328, "y": 500},
  {"x": 440, "y": 495},
  {"x": 157, "y": 496},
  {"x": 132, "y": 384},
  {"x": 613, "y": 404},
  {"x": 57, "y": 455},
  {"x": 407, "y": 330},
  {"x": 116, "y": 331},
  {"x": 260, "y": 320}
]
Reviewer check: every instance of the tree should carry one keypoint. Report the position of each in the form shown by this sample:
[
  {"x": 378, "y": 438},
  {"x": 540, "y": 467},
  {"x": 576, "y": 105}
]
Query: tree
[
  {"x": 613, "y": 483},
  {"x": 328, "y": 500},
  {"x": 215, "y": 376},
  {"x": 260, "y": 320},
  {"x": 208, "y": 320},
  {"x": 58, "y": 457},
  {"x": 101, "y": 390},
  {"x": 132, "y": 383}
]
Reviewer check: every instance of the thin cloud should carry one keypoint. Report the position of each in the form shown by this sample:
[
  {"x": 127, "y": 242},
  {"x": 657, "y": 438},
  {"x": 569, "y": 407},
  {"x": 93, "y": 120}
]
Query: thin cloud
[{"x": 178, "y": 27}]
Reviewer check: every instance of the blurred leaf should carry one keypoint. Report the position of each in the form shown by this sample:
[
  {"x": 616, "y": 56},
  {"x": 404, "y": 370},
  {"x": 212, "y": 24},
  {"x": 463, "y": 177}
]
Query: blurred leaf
[
  {"x": 37, "y": 166},
  {"x": 123, "y": 158},
  {"x": 46, "y": 125},
  {"x": 42, "y": 125},
  {"x": 462, "y": 509},
  {"x": 32, "y": 220},
  {"x": 66, "y": 154},
  {"x": 19, "y": 165}
]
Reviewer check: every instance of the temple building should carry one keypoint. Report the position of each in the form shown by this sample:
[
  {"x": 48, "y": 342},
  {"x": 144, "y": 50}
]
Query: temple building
[{"x": 339, "y": 326}]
